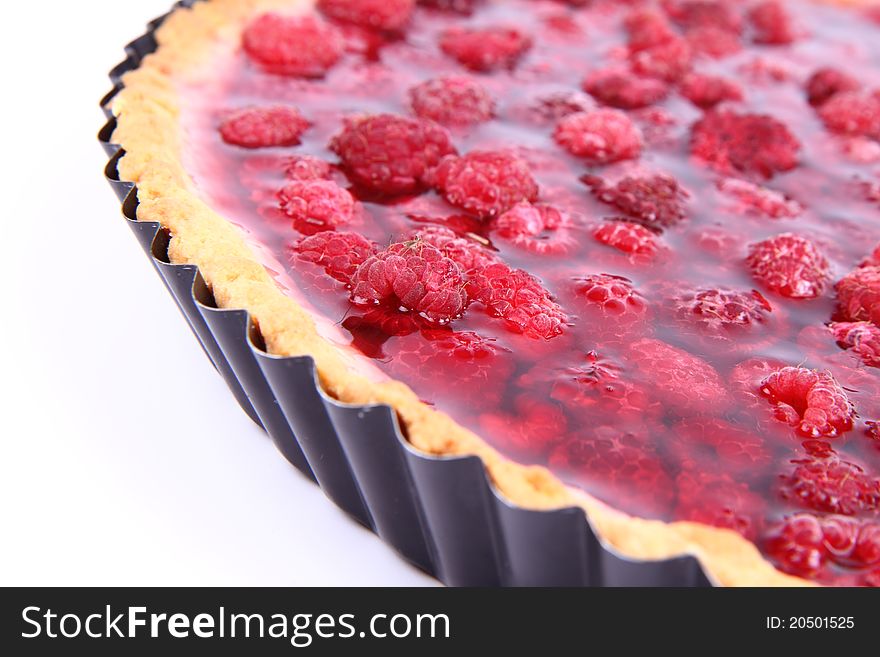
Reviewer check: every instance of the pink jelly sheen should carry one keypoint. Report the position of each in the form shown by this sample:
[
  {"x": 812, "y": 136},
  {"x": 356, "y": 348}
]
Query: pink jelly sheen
[{"x": 651, "y": 397}]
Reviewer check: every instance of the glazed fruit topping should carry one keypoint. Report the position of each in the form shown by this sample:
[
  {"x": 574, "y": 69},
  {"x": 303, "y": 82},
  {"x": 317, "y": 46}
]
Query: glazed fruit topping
[
  {"x": 391, "y": 154},
  {"x": 298, "y": 46},
  {"x": 634, "y": 242},
  {"x": 260, "y": 127},
  {"x": 789, "y": 265}
]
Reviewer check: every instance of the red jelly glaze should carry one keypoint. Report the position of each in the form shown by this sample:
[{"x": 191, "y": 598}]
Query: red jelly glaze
[{"x": 634, "y": 363}]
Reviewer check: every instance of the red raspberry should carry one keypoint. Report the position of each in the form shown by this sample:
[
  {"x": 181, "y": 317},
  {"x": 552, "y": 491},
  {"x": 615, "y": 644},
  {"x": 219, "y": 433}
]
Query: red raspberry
[
  {"x": 790, "y": 265},
  {"x": 751, "y": 143},
  {"x": 615, "y": 307},
  {"x": 415, "y": 276},
  {"x": 627, "y": 237},
  {"x": 863, "y": 338},
  {"x": 487, "y": 48},
  {"x": 761, "y": 200},
  {"x": 387, "y": 15},
  {"x": 872, "y": 260},
  {"x": 623, "y": 89},
  {"x": 339, "y": 253},
  {"x": 867, "y": 546},
  {"x": 452, "y": 100},
  {"x": 706, "y": 91},
  {"x": 719, "y": 501},
  {"x": 713, "y": 41},
  {"x": 466, "y": 253},
  {"x": 485, "y": 183},
  {"x": 704, "y": 13},
  {"x": 519, "y": 299},
  {"x": 827, "y": 81},
  {"x": 553, "y": 107},
  {"x": 711, "y": 443},
  {"x": 811, "y": 401},
  {"x": 532, "y": 429},
  {"x": 306, "y": 167},
  {"x": 601, "y": 136},
  {"x": 667, "y": 61},
  {"x": 686, "y": 383},
  {"x": 541, "y": 229},
  {"x": 391, "y": 154},
  {"x": 597, "y": 387},
  {"x": 316, "y": 205},
  {"x": 771, "y": 23},
  {"x": 853, "y": 113},
  {"x": 656, "y": 202},
  {"x": 287, "y": 45},
  {"x": 477, "y": 364},
  {"x": 647, "y": 28},
  {"x": 261, "y": 127},
  {"x": 728, "y": 315},
  {"x": 619, "y": 466},
  {"x": 858, "y": 295},
  {"x": 797, "y": 546},
  {"x": 832, "y": 485}
]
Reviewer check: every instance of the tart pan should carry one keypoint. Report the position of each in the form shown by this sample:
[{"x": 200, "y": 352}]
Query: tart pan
[{"x": 442, "y": 514}]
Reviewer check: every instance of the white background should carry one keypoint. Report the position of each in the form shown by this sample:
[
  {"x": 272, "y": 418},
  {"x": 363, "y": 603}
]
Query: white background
[{"x": 125, "y": 461}]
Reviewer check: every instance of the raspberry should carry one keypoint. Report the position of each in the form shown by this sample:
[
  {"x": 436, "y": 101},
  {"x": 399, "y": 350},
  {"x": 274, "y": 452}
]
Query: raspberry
[
  {"x": 728, "y": 315},
  {"x": 706, "y": 91},
  {"x": 713, "y": 41},
  {"x": 647, "y": 28},
  {"x": 771, "y": 23},
  {"x": 452, "y": 100},
  {"x": 858, "y": 295},
  {"x": 339, "y": 253},
  {"x": 714, "y": 442},
  {"x": 316, "y": 205},
  {"x": 863, "y": 338},
  {"x": 790, "y": 265},
  {"x": 614, "y": 305},
  {"x": 667, "y": 61},
  {"x": 601, "y": 136},
  {"x": 832, "y": 485},
  {"x": 618, "y": 466},
  {"x": 811, "y": 401},
  {"x": 306, "y": 167},
  {"x": 750, "y": 143},
  {"x": 627, "y": 237},
  {"x": 867, "y": 546},
  {"x": 656, "y": 202},
  {"x": 298, "y": 46},
  {"x": 391, "y": 154},
  {"x": 685, "y": 382},
  {"x": 872, "y": 260},
  {"x": 485, "y": 49},
  {"x": 853, "y": 113},
  {"x": 414, "y": 276},
  {"x": 825, "y": 82},
  {"x": 466, "y": 253},
  {"x": 761, "y": 200},
  {"x": 719, "y": 501},
  {"x": 623, "y": 89},
  {"x": 797, "y": 546},
  {"x": 703, "y": 13},
  {"x": 519, "y": 299},
  {"x": 262, "y": 127},
  {"x": 485, "y": 183},
  {"x": 533, "y": 428},
  {"x": 597, "y": 387},
  {"x": 553, "y": 107},
  {"x": 541, "y": 229},
  {"x": 387, "y": 15}
]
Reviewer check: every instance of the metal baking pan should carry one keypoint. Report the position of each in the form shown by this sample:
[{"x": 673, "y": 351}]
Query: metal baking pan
[{"x": 441, "y": 514}]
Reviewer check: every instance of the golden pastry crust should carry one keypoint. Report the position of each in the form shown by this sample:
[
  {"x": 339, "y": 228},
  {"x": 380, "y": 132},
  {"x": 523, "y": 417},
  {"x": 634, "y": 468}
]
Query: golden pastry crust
[{"x": 149, "y": 130}]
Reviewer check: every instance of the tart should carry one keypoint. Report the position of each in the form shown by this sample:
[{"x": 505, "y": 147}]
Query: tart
[{"x": 628, "y": 254}]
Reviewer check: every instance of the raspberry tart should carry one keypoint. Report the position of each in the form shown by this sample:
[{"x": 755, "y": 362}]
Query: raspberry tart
[{"x": 627, "y": 253}]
